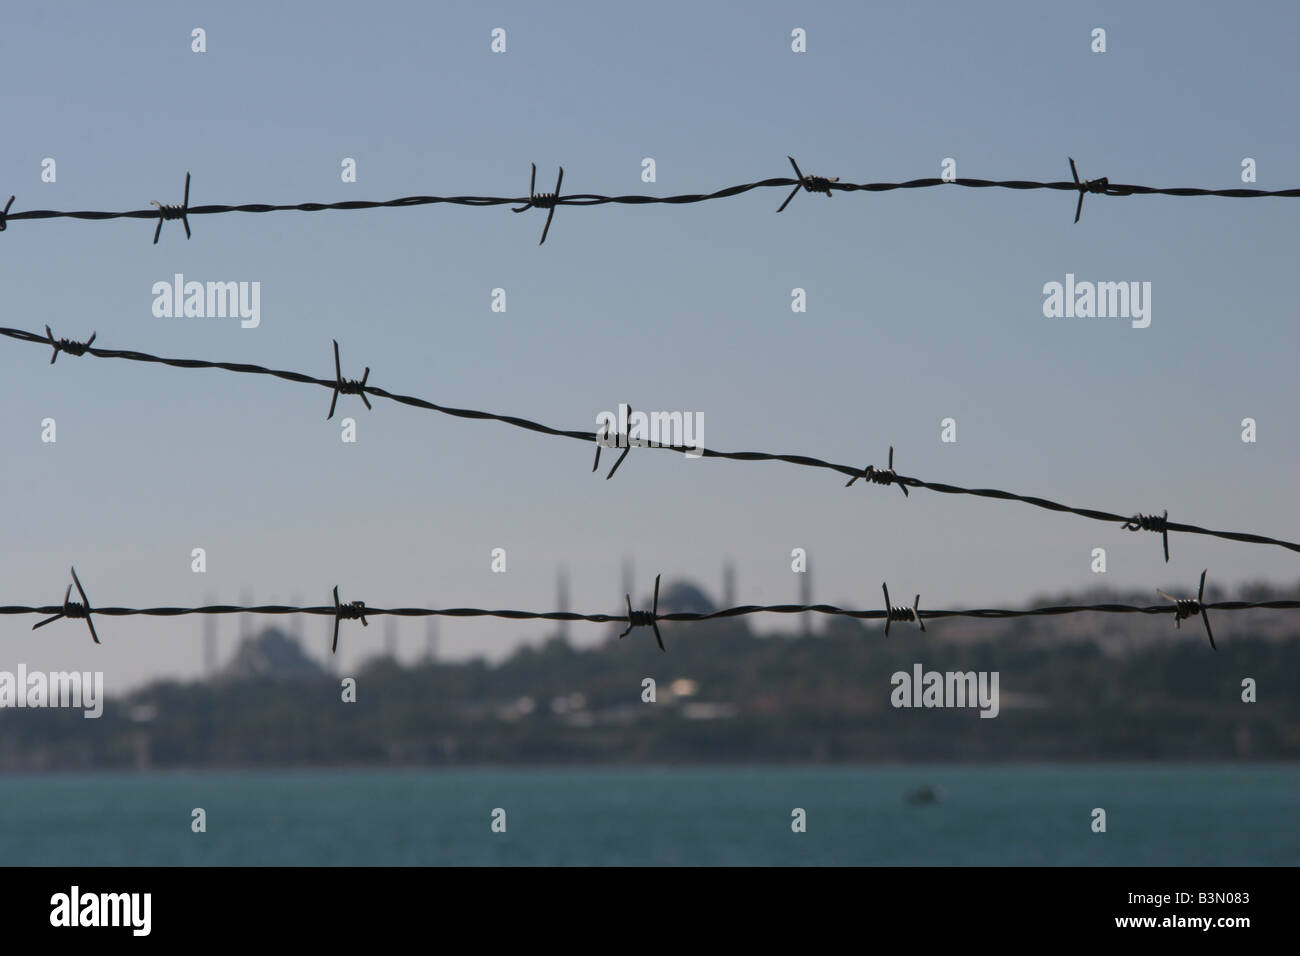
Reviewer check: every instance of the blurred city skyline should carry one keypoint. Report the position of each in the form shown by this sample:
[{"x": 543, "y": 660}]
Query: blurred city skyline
[{"x": 922, "y": 305}]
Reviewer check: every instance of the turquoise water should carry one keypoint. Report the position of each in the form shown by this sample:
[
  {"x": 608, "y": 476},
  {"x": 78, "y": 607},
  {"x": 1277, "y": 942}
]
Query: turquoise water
[{"x": 1192, "y": 816}]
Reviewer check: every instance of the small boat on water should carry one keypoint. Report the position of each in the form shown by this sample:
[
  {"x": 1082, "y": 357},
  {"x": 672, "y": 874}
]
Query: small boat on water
[{"x": 925, "y": 794}]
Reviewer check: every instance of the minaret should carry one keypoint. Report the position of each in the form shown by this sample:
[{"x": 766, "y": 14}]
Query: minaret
[
  {"x": 627, "y": 579},
  {"x": 728, "y": 585},
  {"x": 390, "y": 637},
  {"x": 805, "y": 596},
  {"x": 562, "y": 601},
  {"x": 210, "y": 643},
  {"x": 430, "y": 639}
]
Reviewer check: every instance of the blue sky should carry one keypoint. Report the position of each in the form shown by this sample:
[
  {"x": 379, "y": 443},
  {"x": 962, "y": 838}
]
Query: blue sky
[{"x": 921, "y": 305}]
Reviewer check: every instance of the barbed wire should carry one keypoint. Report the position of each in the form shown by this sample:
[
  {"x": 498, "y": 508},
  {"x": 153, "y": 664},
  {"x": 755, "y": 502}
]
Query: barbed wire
[
  {"x": 339, "y": 385},
  {"x": 1181, "y": 608},
  {"x": 163, "y": 212}
]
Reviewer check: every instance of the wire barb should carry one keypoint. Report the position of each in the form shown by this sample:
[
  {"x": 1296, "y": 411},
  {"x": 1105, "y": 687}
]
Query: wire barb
[
  {"x": 1190, "y": 607},
  {"x": 167, "y": 211},
  {"x": 74, "y": 609},
  {"x": 352, "y": 611},
  {"x": 346, "y": 386},
  {"x": 645, "y": 618},
  {"x": 1099, "y": 186},
  {"x": 902, "y": 612},
  {"x": 4, "y": 214},
  {"x": 814, "y": 184},
  {"x": 888, "y": 477},
  {"x": 1157, "y": 523},
  {"x": 538, "y": 200},
  {"x": 67, "y": 345},
  {"x": 627, "y": 447}
]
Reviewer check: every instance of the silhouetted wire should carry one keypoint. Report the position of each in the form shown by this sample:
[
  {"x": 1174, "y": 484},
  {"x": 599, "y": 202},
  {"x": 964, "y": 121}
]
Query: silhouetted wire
[
  {"x": 549, "y": 201},
  {"x": 338, "y": 385},
  {"x": 1182, "y": 608},
  {"x": 681, "y": 616}
]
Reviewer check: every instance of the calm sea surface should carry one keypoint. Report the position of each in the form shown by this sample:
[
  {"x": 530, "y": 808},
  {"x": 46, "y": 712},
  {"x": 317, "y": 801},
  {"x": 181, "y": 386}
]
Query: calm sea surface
[{"x": 1156, "y": 815}]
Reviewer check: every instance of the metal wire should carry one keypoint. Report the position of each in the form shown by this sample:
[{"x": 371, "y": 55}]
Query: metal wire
[
  {"x": 1159, "y": 524},
  {"x": 549, "y": 201},
  {"x": 1181, "y": 608}
]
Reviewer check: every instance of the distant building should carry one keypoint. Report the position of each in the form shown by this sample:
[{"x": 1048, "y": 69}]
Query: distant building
[
  {"x": 684, "y": 597},
  {"x": 271, "y": 654}
]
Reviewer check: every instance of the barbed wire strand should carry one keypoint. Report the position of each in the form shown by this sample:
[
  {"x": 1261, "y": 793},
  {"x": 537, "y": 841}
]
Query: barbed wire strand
[
  {"x": 1159, "y": 524},
  {"x": 1182, "y": 608},
  {"x": 549, "y": 201}
]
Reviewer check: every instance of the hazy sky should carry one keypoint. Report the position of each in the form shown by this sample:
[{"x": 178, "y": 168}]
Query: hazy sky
[{"x": 922, "y": 305}]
